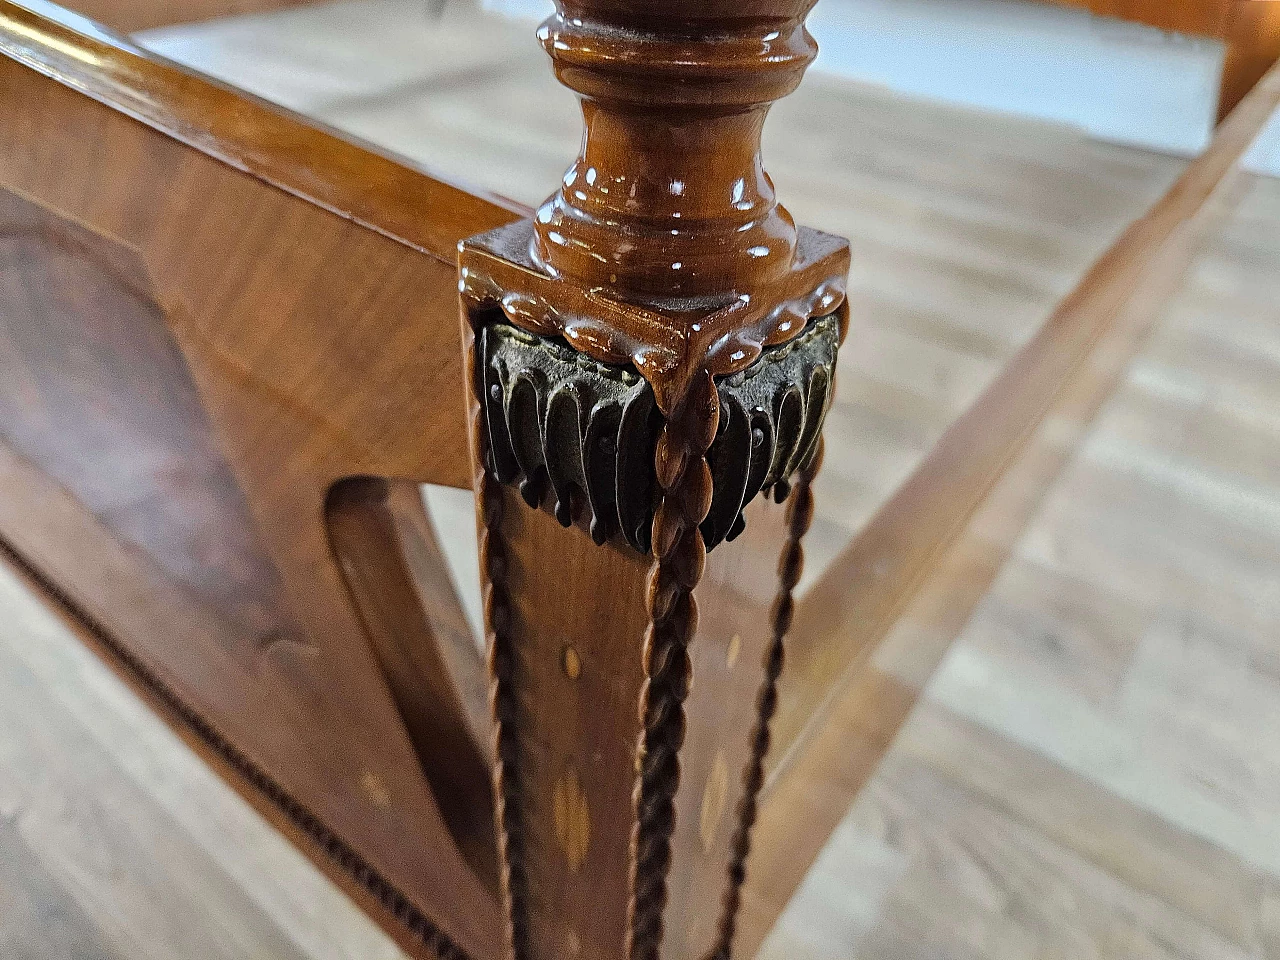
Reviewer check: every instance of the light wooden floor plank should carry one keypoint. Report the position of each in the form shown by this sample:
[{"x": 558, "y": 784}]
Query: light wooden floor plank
[{"x": 38, "y": 919}]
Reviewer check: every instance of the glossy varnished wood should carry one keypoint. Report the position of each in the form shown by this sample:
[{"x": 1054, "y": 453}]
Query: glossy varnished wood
[
  {"x": 668, "y": 195},
  {"x": 712, "y": 708},
  {"x": 289, "y": 371},
  {"x": 103, "y": 403},
  {"x": 355, "y": 182}
]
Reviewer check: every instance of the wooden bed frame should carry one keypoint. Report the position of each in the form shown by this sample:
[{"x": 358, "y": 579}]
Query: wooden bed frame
[{"x": 230, "y": 353}]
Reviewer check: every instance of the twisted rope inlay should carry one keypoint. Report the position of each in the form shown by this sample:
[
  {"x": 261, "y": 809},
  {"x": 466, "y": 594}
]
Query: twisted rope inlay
[
  {"x": 790, "y": 567},
  {"x": 503, "y": 702},
  {"x": 679, "y": 558}
]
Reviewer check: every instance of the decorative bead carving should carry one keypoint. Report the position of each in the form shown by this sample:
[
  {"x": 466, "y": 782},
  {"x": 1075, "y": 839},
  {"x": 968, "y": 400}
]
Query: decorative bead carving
[
  {"x": 504, "y": 698},
  {"x": 583, "y": 433},
  {"x": 790, "y": 567},
  {"x": 679, "y": 559},
  {"x": 668, "y": 340}
]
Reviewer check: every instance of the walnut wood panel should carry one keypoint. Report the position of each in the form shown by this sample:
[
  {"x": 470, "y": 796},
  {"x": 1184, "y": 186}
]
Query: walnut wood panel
[
  {"x": 211, "y": 316},
  {"x": 307, "y": 702},
  {"x": 862, "y": 689},
  {"x": 268, "y": 142},
  {"x": 578, "y": 679},
  {"x": 102, "y": 401},
  {"x": 304, "y": 305},
  {"x": 579, "y": 676}
]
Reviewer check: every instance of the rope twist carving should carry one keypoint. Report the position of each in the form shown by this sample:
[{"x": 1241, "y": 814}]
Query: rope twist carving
[
  {"x": 790, "y": 567},
  {"x": 679, "y": 558},
  {"x": 503, "y": 701}
]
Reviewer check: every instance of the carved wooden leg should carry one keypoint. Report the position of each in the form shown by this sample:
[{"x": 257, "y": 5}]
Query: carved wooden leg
[{"x": 651, "y": 360}]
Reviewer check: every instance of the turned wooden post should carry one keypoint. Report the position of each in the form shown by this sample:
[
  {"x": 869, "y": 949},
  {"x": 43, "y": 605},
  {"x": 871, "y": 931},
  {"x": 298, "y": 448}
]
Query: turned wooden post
[{"x": 651, "y": 359}]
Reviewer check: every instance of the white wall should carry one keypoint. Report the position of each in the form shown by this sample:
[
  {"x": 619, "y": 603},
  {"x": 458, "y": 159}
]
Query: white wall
[{"x": 1120, "y": 81}]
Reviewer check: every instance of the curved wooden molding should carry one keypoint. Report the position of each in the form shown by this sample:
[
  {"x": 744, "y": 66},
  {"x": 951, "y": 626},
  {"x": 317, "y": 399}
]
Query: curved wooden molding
[{"x": 401, "y": 588}]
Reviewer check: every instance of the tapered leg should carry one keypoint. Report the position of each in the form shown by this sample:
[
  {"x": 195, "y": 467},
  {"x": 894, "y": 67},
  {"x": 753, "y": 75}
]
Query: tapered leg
[{"x": 651, "y": 358}]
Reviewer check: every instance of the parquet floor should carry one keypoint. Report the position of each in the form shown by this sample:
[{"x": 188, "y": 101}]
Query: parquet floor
[{"x": 1090, "y": 773}]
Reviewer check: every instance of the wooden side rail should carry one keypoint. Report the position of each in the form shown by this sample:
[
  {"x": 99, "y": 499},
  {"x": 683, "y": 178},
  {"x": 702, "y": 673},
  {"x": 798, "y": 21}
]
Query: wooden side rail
[
  {"x": 376, "y": 190},
  {"x": 865, "y": 587},
  {"x": 1251, "y": 30},
  {"x": 870, "y": 633},
  {"x": 212, "y": 317}
]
